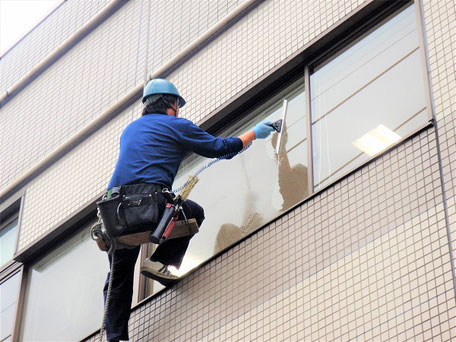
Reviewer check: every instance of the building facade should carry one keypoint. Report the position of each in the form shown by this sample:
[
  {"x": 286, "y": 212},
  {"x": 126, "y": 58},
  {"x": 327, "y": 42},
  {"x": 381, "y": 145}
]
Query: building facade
[{"x": 341, "y": 227}]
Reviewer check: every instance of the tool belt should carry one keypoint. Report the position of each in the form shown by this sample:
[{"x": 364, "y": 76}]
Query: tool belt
[{"x": 130, "y": 209}]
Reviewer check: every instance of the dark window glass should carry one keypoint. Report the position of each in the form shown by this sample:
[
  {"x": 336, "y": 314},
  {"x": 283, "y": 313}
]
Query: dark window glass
[
  {"x": 8, "y": 241},
  {"x": 8, "y": 304},
  {"x": 64, "y": 299}
]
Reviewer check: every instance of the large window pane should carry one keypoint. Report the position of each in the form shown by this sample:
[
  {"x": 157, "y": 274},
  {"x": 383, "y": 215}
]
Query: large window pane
[
  {"x": 367, "y": 97},
  {"x": 8, "y": 304},
  {"x": 64, "y": 300},
  {"x": 246, "y": 192},
  {"x": 8, "y": 242}
]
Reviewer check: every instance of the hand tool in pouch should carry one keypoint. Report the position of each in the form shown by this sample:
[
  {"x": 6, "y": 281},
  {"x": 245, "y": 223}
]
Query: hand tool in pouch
[{"x": 170, "y": 215}]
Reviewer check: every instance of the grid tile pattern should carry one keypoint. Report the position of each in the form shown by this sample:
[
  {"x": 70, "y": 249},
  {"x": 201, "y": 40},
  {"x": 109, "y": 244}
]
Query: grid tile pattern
[
  {"x": 74, "y": 180},
  {"x": 367, "y": 259},
  {"x": 92, "y": 76},
  {"x": 345, "y": 265},
  {"x": 44, "y": 38},
  {"x": 93, "y": 53},
  {"x": 167, "y": 37},
  {"x": 71, "y": 104},
  {"x": 440, "y": 25},
  {"x": 261, "y": 40}
]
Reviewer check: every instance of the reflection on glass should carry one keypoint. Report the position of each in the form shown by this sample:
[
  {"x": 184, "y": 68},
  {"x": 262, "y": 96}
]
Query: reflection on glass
[
  {"x": 362, "y": 61},
  {"x": 8, "y": 303},
  {"x": 64, "y": 299},
  {"x": 8, "y": 242},
  {"x": 376, "y": 140},
  {"x": 378, "y": 81},
  {"x": 242, "y": 194}
]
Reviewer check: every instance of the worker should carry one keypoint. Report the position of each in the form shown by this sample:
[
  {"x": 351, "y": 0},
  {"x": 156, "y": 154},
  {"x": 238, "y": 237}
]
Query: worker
[{"x": 151, "y": 150}]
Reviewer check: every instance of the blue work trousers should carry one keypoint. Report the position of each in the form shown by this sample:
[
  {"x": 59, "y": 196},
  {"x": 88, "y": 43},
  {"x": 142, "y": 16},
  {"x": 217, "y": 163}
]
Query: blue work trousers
[{"x": 168, "y": 253}]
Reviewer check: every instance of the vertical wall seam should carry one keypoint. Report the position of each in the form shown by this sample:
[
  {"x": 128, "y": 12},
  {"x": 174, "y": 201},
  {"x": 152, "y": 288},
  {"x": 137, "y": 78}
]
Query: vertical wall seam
[
  {"x": 445, "y": 208},
  {"x": 422, "y": 27}
]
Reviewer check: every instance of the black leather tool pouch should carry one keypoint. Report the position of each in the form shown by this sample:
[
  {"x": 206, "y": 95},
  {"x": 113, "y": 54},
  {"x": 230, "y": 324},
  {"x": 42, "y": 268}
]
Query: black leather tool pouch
[
  {"x": 109, "y": 209},
  {"x": 139, "y": 210},
  {"x": 130, "y": 209}
]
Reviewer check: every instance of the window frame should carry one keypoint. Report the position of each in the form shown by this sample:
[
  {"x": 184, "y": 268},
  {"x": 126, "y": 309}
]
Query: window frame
[
  {"x": 300, "y": 65},
  {"x": 9, "y": 219},
  {"x": 246, "y": 102},
  {"x": 333, "y": 51},
  {"x": 10, "y": 211},
  {"x": 22, "y": 260},
  {"x": 6, "y": 274},
  {"x": 82, "y": 220}
]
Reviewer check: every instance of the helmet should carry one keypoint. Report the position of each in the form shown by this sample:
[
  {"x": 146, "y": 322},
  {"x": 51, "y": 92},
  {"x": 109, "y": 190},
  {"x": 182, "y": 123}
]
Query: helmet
[{"x": 158, "y": 86}]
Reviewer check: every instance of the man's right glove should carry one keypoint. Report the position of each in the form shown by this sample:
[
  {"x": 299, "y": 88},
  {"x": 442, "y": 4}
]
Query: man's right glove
[{"x": 263, "y": 129}]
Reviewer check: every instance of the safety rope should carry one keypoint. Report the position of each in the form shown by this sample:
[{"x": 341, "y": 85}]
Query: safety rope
[
  {"x": 94, "y": 232},
  {"x": 111, "y": 251},
  {"x": 208, "y": 165}
]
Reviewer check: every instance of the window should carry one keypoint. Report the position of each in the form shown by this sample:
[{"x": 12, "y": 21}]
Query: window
[
  {"x": 8, "y": 234},
  {"x": 64, "y": 298},
  {"x": 9, "y": 291},
  {"x": 10, "y": 270},
  {"x": 359, "y": 102},
  {"x": 246, "y": 192},
  {"x": 367, "y": 97}
]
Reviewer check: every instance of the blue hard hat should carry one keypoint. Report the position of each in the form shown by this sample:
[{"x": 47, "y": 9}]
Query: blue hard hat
[{"x": 158, "y": 86}]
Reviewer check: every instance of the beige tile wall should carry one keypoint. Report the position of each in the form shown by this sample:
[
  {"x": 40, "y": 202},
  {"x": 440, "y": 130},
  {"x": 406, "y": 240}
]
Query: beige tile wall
[
  {"x": 88, "y": 79},
  {"x": 44, "y": 38},
  {"x": 367, "y": 259},
  {"x": 260, "y": 41},
  {"x": 384, "y": 274},
  {"x": 440, "y": 26},
  {"x": 224, "y": 74},
  {"x": 377, "y": 292},
  {"x": 72, "y": 181}
]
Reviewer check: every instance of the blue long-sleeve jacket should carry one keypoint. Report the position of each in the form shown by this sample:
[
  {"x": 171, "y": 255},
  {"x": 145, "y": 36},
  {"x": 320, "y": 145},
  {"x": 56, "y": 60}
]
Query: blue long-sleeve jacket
[{"x": 152, "y": 148}]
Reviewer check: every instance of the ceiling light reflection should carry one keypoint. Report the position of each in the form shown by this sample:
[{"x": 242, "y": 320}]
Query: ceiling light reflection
[{"x": 376, "y": 140}]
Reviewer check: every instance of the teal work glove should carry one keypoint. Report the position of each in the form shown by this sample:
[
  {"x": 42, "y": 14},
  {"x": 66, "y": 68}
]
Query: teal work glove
[{"x": 263, "y": 129}]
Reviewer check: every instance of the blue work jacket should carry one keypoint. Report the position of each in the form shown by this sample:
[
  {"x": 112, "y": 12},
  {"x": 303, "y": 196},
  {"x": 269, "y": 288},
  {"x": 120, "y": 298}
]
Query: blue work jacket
[{"x": 153, "y": 146}]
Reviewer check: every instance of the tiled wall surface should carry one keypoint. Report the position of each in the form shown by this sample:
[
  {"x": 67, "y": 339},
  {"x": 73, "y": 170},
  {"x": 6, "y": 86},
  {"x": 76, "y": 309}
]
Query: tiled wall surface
[
  {"x": 194, "y": 78},
  {"x": 440, "y": 25},
  {"x": 260, "y": 41},
  {"x": 102, "y": 68},
  {"x": 44, "y": 38},
  {"x": 367, "y": 259},
  {"x": 73, "y": 181}
]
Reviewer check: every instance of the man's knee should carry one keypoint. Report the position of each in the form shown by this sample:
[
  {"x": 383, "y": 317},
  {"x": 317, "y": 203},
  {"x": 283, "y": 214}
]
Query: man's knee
[
  {"x": 194, "y": 210},
  {"x": 199, "y": 213}
]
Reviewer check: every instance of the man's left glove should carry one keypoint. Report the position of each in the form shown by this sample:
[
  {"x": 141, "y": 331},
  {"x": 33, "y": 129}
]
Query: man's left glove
[{"x": 263, "y": 129}]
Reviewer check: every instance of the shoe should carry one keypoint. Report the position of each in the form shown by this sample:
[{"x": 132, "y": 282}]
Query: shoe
[{"x": 157, "y": 271}]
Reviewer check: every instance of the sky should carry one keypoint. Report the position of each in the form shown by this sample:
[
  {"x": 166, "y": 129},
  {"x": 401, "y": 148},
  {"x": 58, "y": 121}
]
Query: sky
[{"x": 18, "y": 17}]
